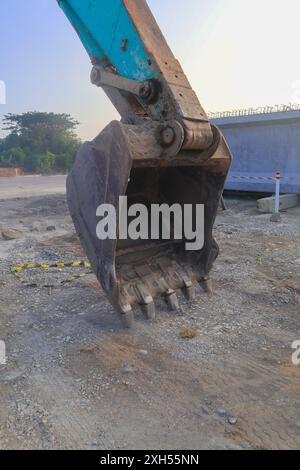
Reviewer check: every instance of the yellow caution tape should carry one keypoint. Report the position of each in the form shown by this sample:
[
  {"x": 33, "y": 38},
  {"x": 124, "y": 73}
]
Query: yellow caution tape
[{"x": 60, "y": 264}]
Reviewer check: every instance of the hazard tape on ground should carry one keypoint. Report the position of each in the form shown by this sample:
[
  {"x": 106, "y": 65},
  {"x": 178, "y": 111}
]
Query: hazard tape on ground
[{"x": 17, "y": 271}]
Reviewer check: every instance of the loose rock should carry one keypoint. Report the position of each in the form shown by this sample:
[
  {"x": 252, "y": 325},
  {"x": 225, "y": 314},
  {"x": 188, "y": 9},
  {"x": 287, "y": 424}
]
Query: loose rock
[
  {"x": 221, "y": 412},
  {"x": 127, "y": 370},
  {"x": 276, "y": 218},
  {"x": 142, "y": 352},
  {"x": 205, "y": 410},
  {"x": 10, "y": 234},
  {"x": 232, "y": 420}
]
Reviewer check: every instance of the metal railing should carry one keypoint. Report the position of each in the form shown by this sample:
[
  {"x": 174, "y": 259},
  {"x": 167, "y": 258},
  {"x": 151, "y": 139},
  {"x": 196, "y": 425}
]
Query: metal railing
[{"x": 282, "y": 108}]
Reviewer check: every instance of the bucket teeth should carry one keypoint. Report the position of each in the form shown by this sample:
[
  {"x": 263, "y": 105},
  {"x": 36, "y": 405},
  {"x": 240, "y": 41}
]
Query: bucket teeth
[
  {"x": 146, "y": 302},
  {"x": 127, "y": 316},
  {"x": 128, "y": 319},
  {"x": 171, "y": 298},
  {"x": 189, "y": 290},
  {"x": 206, "y": 285},
  {"x": 149, "y": 310}
]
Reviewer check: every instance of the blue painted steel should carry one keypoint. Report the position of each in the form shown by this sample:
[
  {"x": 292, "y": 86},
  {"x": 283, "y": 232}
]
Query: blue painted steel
[
  {"x": 262, "y": 144},
  {"x": 102, "y": 25}
]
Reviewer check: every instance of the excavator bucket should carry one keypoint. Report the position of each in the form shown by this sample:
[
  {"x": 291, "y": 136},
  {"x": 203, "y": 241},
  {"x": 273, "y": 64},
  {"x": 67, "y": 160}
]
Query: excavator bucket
[{"x": 125, "y": 160}]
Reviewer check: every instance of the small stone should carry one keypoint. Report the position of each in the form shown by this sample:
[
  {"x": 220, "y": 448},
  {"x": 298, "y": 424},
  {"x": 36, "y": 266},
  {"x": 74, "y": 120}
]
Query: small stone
[
  {"x": 142, "y": 352},
  {"x": 127, "y": 370},
  {"x": 35, "y": 227},
  {"x": 276, "y": 218},
  {"x": 221, "y": 412},
  {"x": 217, "y": 328},
  {"x": 232, "y": 420},
  {"x": 205, "y": 410},
  {"x": 10, "y": 234},
  {"x": 51, "y": 228}
]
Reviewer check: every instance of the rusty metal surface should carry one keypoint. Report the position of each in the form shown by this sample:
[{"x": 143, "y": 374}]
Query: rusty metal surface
[
  {"x": 180, "y": 100},
  {"x": 134, "y": 273}
]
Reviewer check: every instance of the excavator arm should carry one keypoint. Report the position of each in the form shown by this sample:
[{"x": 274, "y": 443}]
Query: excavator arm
[
  {"x": 136, "y": 67},
  {"x": 164, "y": 150}
]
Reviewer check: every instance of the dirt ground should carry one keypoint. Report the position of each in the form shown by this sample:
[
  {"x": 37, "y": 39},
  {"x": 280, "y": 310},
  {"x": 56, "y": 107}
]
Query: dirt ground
[{"x": 75, "y": 379}]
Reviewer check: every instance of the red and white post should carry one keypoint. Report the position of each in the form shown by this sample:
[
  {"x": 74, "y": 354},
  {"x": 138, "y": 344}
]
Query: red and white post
[{"x": 277, "y": 194}]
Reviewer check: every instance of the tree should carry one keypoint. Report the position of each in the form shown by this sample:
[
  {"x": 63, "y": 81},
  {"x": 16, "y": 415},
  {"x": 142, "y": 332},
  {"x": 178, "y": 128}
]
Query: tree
[
  {"x": 13, "y": 157},
  {"x": 47, "y": 141},
  {"x": 39, "y": 123}
]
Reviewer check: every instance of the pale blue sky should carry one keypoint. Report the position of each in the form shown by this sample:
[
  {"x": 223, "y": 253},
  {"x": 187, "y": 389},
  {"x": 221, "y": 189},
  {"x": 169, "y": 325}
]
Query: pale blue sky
[{"x": 236, "y": 53}]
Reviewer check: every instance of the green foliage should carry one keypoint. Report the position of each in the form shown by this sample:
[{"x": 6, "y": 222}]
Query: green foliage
[
  {"x": 39, "y": 142},
  {"x": 12, "y": 157}
]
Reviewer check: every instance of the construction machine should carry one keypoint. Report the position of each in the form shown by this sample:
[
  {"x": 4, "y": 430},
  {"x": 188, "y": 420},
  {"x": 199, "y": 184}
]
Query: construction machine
[{"x": 163, "y": 151}]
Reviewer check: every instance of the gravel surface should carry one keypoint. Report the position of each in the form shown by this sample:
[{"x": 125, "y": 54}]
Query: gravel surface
[{"x": 75, "y": 379}]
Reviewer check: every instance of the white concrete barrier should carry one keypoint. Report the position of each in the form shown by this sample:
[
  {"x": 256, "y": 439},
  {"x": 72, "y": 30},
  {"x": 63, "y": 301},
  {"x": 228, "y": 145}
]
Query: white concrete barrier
[{"x": 286, "y": 201}]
